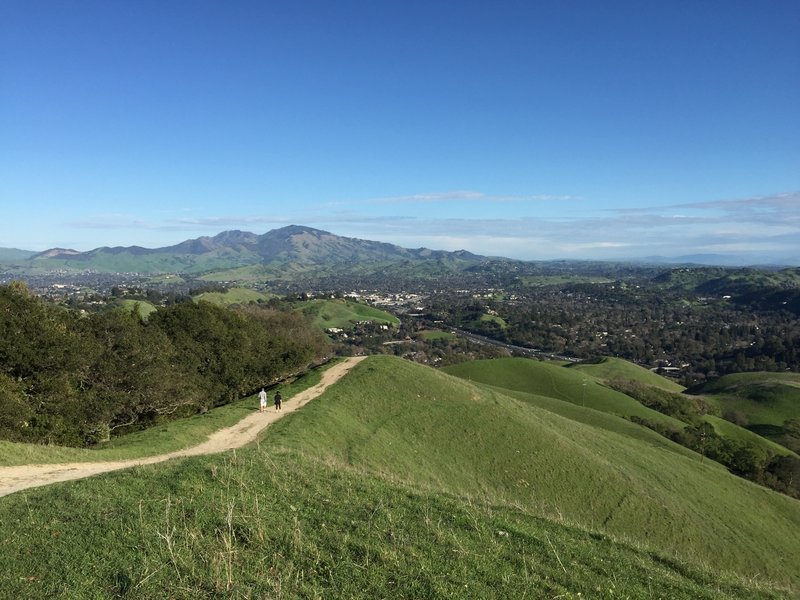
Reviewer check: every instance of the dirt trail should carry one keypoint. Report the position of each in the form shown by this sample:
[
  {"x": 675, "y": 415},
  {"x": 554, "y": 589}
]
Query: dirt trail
[{"x": 15, "y": 479}]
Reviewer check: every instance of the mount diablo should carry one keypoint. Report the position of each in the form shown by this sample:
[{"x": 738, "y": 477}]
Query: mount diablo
[{"x": 293, "y": 248}]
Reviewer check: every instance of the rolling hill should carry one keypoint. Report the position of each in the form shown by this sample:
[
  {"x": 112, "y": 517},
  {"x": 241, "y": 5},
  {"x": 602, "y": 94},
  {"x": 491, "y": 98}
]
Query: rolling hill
[
  {"x": 343, "y": 314},
  {"x": 764, "y": 402},
  {"x": 402, "y": 481}
]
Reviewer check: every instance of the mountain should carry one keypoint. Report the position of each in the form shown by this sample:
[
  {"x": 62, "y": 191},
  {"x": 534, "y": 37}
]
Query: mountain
[
  {"x": 723, "y": 260},
  {"x": 14, "y": 254},
  {"x": 293, "y": 248}
]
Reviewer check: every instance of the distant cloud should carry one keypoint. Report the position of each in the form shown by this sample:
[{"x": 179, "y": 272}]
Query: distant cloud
[
  {"x": 759, "y": 227},
  {"x": 455, "y": 196}
]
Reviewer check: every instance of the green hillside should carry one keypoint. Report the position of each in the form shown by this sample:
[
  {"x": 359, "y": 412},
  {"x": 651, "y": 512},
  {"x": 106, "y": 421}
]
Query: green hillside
[
  {"x": 732, "y": 431},
  {"x": 343, "y": 314},
  {"x": 403, "y": 482},
  {"x": 762, "y": 402},
  {"x": 609, "y": 368},
  {"x": 233, "y": 296},
  {"x": 556, "y": 381},
  {"x": 765, "y": 398},
  {"x": 413, "y": 424},
  {"x": 270, "y": 523},
  {"x": 145, "y": 308},
  {"x": 599, "y": 419}
]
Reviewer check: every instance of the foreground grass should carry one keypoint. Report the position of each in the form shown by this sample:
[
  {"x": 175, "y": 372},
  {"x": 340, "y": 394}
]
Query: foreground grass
[
  {"x": 160, "y": 439},
  {"x": 271, "y": 523},
  {"x": 403, "y": 482},
  {"x": 416, "y": 425}
]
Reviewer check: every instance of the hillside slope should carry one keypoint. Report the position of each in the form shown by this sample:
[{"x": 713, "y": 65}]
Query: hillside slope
[
  {"x": 401, "y": 481},
  {"x": 417, "y": 425},
  {"x": 555, "y": 381}
]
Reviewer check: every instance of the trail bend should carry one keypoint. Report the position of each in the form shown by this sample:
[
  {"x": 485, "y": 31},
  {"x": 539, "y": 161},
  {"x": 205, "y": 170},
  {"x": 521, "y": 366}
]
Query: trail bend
[{"x": 18, "y": 478}]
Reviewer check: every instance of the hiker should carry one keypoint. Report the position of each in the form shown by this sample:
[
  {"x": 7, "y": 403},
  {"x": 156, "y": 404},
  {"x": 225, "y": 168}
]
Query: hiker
[
  {"x": 262, "y": 400},
  {"x": 277, "y": 401}
]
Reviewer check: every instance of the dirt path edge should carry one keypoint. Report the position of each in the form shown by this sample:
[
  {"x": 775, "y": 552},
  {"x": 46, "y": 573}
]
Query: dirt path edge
[{"x": 18, "y": 478}]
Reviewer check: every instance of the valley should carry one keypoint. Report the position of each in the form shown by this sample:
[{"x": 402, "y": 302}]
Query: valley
[{"x": 504, "y": 429}]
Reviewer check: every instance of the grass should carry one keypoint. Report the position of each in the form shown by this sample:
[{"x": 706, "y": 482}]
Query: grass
[
  {"x": 438, "y": 335},
  {"x": 764, "y": 398},
  {"x": 410, "y": 424},
  {"x": 267, "y": 523},
  {"x": 344, "y": 314},
  {"x": 487, "y": 318},
  {"x": 404, "y": 482},
  {"x": 545, "y": 280},
  {"x": 160, "y": 439},
  {"x": 556, "y": 381},
  {"x": 601, "y": 420},
  {"x": 732, "y": 431},
  {"x": 233, "y": 296},
  {"x": 145, "y": 308},
  {"x": 610, "y": 368}
]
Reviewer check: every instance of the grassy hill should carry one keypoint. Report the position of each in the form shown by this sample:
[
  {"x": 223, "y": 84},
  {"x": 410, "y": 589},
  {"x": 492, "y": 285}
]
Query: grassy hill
[
  {"x": 402, "y": 481},
  {"x": 556, "y": 381},
  {"x": 412, "y": 424},
  {"x": 233, "y": 296},
  {"x": 769, "y": 398},
  {"x": 343, "y": 314},
  {"x": 766, "y": 400},
  {"x": 734, "y": 432},
  {"x": 145, "y": 308},
  {"x": 608, "y": 368}
]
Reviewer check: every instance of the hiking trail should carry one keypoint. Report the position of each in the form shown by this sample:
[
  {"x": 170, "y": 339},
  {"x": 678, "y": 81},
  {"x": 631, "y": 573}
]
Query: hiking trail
[{"x": 21, "y": 477}]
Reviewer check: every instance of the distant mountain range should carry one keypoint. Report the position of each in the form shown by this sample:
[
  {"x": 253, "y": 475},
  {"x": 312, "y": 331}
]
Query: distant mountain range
[
  {"x": 292, "y": 249},
  {"x": 288, "y": 252},
  {"x": 722, "y": 260}
]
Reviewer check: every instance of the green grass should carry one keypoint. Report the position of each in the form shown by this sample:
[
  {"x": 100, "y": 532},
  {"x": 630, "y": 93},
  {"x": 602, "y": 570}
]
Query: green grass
[
  {"x": 438, "y": 335},
  {"x": 403, "y": 482},
  {"x": 487, "y": 318},
  {"x": 733, "y": 432},
  {"x": 145, "y": 308},
  {"x": 344, "y": 314},
  {"x": 409, "y": 423},
  {"x": 610, "y": 368},
  {"x": 599, "y": 419},
  {"x": 555, "y": 381},
  {"x": 765, "y": 398},
  {"x": 545, "y": 280},
  {"x": 233, "y": 296},
  {"x": 269, "y": 523}
]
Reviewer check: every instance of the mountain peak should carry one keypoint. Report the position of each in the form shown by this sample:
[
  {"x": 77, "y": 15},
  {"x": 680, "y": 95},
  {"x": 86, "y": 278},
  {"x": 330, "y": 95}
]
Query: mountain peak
[{"x": 55, "y": 253}]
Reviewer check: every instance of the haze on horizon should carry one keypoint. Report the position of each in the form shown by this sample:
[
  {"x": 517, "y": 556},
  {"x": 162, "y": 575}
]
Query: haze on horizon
[{"x": 529, "y": 130}]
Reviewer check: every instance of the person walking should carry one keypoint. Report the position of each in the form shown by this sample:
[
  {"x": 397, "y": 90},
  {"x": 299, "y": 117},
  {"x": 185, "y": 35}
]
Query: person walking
[
  {"x": 278, "y": 401},
  {"x": 262, "y": 400}
]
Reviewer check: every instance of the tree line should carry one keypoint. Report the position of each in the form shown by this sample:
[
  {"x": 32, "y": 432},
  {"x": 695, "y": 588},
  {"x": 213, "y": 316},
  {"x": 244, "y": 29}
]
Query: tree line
[
  {"x": 650, "y": 326},
  {"x": 76, "y": 378}
]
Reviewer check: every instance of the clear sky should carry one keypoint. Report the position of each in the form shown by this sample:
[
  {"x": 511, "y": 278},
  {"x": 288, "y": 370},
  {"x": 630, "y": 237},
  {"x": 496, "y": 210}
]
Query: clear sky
[{"x": 532, "y": 129}]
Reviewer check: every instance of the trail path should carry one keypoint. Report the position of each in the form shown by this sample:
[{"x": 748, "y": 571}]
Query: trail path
[{"x": 15, "y": 479}]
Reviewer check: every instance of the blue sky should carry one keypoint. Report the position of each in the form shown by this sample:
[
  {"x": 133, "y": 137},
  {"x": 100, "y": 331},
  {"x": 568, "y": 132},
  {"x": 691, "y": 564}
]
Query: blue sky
[{"x": 536, "y": 130}]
